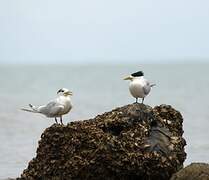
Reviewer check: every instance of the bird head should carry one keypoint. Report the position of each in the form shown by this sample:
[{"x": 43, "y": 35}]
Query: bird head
[
  {"x": 132, "y": 76},
  {"x": 64, "y": 92}
]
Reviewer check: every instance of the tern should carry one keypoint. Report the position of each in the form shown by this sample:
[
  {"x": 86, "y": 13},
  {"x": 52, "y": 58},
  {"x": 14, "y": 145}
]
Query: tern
[
  {"x": 55, "y": 108},
  {"x": 139, "y": 87}
]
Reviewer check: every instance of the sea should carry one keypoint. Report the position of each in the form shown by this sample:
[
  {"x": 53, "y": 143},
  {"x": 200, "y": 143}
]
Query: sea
[{"x": 96, "y": 88}]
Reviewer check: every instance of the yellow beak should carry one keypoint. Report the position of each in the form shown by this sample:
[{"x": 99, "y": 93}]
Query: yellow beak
[
  {"x": 128, "y": 78},
  {"x": 69, "y": 93}
]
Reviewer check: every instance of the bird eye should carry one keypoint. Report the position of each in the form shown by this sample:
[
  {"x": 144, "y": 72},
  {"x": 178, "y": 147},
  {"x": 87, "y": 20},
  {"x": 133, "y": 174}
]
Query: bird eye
[{"x": 61, "y": 90}]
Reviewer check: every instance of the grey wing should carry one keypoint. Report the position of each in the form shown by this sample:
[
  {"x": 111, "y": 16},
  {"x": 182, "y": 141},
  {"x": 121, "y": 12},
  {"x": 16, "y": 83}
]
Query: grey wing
[
  {"x": 52, "y": 109},
  {"x": 147, "y": 88}
]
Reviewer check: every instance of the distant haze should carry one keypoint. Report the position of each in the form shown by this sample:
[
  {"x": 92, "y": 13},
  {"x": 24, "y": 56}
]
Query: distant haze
[{"x": 74, "y": 31}]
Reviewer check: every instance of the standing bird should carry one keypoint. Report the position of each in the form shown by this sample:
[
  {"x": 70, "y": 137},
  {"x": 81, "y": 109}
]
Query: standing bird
[
  {"x": 56, "y": 108},
  {"x": 139, "y": 87}
]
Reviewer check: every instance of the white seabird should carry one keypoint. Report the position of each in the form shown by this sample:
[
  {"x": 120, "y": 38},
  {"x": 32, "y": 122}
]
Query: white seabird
[
  {"x": 139, "y": 87},
  {"x": 56, "y": 108}
]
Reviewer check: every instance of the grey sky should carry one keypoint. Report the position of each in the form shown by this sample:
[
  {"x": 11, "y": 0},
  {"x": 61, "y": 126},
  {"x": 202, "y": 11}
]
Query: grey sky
[{"x": 103, "y": 30}]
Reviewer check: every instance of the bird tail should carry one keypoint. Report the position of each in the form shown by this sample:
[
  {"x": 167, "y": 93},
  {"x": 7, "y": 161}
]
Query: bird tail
[
  {"x": 33, "y": 109},
  {"x": 152, "y": 85}
]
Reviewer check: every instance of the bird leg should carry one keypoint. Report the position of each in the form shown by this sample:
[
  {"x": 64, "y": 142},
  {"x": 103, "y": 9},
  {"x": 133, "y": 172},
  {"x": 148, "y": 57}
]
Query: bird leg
[
  {"x": 143, "y": 100},
  {"x": 61, "y": 119},
  {"x": 136, "y": 100},
  {"x": 56, "y": 120}
]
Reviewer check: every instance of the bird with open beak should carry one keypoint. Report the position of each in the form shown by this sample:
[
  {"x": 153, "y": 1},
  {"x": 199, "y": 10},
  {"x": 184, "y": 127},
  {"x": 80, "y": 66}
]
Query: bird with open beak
[{"x": 55, "y": 108}]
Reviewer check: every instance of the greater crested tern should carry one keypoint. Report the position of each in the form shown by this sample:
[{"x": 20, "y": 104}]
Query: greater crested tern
[
  {"x": 56, "y": 108},
  {"x": 139, "y": 87}
]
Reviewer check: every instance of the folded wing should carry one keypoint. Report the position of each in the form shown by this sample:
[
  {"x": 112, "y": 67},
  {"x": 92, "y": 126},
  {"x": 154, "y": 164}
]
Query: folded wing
[{"x": 52, "y": 109}]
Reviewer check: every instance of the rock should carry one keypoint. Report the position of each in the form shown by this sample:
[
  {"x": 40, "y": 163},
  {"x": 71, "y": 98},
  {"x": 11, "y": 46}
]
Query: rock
[
  {"x": 131, "y": 142},
  {"x": 195, "y": 171}
]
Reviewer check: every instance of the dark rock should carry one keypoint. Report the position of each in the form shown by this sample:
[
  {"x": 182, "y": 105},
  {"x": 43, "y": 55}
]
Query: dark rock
[
  {"x": 195, "y": 171},
  {"x": 130, "y": 142}
]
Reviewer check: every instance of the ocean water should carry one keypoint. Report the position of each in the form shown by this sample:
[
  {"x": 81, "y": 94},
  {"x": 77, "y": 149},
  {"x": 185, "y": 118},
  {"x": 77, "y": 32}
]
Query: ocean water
[{"x": 96, "y": 89}]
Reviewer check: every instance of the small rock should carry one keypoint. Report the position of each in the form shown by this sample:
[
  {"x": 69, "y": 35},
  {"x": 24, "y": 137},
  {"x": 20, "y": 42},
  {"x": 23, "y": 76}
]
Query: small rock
[{"x": 195, "y": 171}]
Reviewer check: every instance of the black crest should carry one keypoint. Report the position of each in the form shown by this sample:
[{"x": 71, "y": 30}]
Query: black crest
[
  {"x": 138, "y": 74},
  {"x": 60, "y": 90}
]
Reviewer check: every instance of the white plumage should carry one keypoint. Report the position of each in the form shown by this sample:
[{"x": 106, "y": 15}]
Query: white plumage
[
  {"x": 56, "y": 108},
  {"x": 139, "y": 87}
]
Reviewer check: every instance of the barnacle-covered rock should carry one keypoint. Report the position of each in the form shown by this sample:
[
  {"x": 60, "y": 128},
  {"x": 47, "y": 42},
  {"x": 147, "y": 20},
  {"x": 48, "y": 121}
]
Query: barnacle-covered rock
[{"x": 131, "y": 142}]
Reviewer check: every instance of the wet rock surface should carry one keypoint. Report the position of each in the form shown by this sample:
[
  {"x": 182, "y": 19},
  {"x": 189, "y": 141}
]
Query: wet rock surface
[
  {"x": 131, "y": 142},
  {"x": 195, "y": 171}
]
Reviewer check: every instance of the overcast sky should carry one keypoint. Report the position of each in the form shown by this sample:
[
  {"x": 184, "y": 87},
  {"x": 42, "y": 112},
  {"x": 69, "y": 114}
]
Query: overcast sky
[{"x": 103, "y": 30}]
